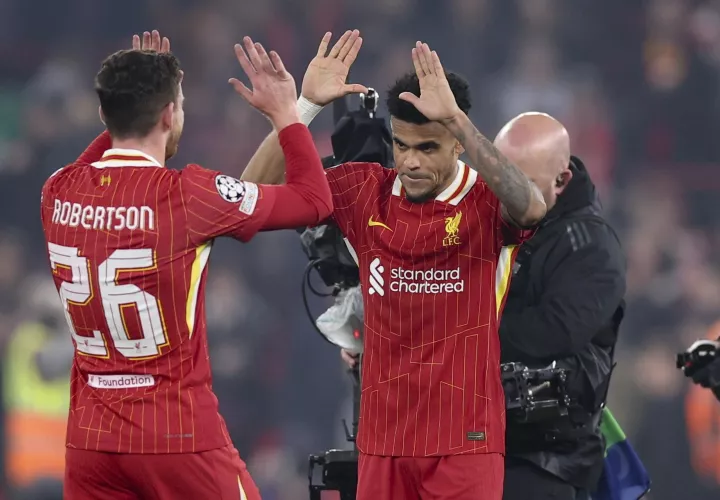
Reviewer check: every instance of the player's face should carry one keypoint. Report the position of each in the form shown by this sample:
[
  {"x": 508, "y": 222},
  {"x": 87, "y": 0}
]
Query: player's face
[
  {"x": 546, "y": 184},
  {"x": 425, "y": 158},
  {"x": 178, "y": 121}
]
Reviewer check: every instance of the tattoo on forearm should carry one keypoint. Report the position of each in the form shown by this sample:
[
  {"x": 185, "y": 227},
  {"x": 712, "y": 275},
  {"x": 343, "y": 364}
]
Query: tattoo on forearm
[{"x": 508, "y": 182}]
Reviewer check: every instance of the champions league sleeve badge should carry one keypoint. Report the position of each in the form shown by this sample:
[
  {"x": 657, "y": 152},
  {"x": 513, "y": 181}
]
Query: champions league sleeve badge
[{"x": 230, "y": 189}]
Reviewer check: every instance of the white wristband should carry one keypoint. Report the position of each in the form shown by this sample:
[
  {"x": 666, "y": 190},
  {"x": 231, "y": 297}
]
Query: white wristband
[{"x": 307, "y": 110}]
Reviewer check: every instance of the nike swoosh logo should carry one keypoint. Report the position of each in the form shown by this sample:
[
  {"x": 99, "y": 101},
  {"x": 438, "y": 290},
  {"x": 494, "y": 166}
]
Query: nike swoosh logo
[{"x": 372, "y": 223}]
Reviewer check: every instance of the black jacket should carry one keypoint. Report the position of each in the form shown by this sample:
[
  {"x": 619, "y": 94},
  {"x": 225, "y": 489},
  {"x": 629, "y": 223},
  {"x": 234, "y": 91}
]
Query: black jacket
[{"x": 565, "y": 304}]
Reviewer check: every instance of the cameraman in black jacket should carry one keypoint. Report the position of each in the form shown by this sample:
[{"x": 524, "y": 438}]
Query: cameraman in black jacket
[{"x": 565, "y": 305}]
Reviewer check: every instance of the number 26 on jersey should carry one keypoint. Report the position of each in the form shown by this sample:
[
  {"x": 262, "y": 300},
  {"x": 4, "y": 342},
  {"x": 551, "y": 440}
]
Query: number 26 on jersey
[{"x": 79, "y": 291}]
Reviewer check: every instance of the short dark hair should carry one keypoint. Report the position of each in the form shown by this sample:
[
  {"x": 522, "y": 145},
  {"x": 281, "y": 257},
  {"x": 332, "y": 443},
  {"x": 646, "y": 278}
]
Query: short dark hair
[
  {"x": 409, "y": 82},
  {"x": 134, "y": 87}
]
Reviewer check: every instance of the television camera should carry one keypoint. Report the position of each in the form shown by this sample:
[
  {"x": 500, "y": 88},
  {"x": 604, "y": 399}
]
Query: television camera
[
  {"x": 701, "y": 363},
  {"x": 535, "y": 395}
]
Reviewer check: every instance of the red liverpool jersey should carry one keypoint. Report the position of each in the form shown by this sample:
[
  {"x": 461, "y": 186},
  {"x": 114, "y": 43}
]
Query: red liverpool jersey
[
  {"x": 129, "y": 242},
  {"x": 434, "y": 279}
]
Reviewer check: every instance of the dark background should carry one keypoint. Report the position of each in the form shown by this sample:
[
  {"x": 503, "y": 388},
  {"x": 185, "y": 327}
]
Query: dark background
[{"x": 636, "y": 83}]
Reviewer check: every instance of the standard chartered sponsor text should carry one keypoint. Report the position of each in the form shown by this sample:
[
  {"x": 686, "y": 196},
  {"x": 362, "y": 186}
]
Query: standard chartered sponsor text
[{"x": 427, "y": 281}]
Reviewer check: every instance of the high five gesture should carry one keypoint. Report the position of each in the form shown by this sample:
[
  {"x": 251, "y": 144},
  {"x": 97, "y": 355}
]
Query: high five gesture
[
  {"x": 273, "y": 88},
  {"x": 151, "y": 41},
  {"x": 325, "y": 77},
  {"x": 436, "y": 101},
  {"x": 324, "y": 81}
]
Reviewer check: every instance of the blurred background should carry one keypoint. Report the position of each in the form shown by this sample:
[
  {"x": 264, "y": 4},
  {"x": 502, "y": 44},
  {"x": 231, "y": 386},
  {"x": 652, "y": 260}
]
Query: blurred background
[{"x": 636, "y": 82}]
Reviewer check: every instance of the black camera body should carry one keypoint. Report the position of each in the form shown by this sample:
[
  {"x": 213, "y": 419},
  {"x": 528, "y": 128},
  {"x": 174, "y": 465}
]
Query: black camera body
[
  {"x": 535, "y": 395},
  {"x": 325, "y": 247},
  {"x": 701, "y": 363},
  {"x": 698, "y": 356},
  {"x": 339, "y": 468},
  {"x": 339, "y": 473}
]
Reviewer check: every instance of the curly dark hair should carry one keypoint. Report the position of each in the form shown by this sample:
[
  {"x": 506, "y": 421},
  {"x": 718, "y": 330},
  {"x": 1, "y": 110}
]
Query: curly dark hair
[
  {"x": 403, "y": 110},
  {"x": 134, "y": 87}
]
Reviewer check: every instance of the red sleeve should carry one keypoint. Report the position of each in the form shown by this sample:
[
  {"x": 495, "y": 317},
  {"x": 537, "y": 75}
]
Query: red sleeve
[
  {"x": 511, "y": 235},
  {"x": 96, "y": 149},
  {"x": 346, "y": 185},
  {"x": 304, "y": 199},
  {"x": 290, "y": 210},
  {"x": 514, "y": 235},
  {"x": 219, "y": 205}
]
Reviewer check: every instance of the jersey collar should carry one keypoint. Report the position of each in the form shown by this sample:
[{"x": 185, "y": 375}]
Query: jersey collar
[
  {"x": 464, "y": 180},
  {"x": 126, "y": 158}
]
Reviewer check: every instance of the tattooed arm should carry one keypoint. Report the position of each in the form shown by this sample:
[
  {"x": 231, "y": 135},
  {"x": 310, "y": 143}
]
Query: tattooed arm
[{"x": 522, "y": 202}]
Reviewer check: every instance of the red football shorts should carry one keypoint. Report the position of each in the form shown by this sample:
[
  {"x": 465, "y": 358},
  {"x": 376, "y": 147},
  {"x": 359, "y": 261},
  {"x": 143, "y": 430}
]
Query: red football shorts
[
  {"x": 456, "y": 477},
  {"x": 216, "y": 474}
]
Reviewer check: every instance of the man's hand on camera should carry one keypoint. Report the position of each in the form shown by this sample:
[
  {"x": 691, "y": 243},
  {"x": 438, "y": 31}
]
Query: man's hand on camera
[
  {"x": 350, "y": 359},
  {"x": 326, "y": 75}
]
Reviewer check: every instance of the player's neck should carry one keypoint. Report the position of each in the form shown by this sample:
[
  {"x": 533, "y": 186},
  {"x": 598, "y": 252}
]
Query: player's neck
[
  {"x": 147, "y": 145},
  {"x": 449, "y": 180}
]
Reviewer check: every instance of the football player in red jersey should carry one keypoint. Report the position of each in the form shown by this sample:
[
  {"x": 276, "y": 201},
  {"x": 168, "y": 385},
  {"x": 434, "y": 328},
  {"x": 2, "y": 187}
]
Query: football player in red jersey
[
  {"x": 128, "y": 242},
  {"x": 435, "y": 240}
]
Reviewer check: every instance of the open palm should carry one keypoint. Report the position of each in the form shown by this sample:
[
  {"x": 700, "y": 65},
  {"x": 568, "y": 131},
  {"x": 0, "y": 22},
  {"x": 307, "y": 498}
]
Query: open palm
[
  {"x": 436, "y": 100},
  {"x": 273, "y": 90},
  {"x": 151, "y": 41},
  {"x": 326, "y": 75}
]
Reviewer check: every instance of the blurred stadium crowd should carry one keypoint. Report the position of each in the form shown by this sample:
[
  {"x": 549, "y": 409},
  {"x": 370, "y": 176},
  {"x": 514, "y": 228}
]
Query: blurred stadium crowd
[{"x": 637, "y": 84}]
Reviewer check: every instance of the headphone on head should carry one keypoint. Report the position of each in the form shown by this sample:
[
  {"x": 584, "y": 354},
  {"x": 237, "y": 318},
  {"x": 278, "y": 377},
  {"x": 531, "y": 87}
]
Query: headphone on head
[{"x": 560, "y": 181}]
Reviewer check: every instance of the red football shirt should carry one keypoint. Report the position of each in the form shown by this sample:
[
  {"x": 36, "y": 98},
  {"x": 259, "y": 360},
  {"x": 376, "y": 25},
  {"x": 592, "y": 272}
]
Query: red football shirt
[
  {"x": 434, "y": 279},
  {"x": 129, "y": 242}
]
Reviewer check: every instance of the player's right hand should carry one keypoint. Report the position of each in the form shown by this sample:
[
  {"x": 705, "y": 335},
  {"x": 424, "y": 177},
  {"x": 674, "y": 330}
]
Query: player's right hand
[
  {"x": 151, "y": 41},
  {"x": 349, "y": 358},
  {"x": 325, "y": 77},
  {"x": 436, "y": 100},
  {"x": 273, "y": 88}
]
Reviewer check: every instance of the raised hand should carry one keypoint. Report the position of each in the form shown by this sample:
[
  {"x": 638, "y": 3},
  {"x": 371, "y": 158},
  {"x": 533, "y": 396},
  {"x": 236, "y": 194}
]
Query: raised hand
[
  {"x": 151, "y": 41},
  {"x": 273, "y": 88},
  {"x": 436, "y": 101},
  {"x": 325, "y": 77}
]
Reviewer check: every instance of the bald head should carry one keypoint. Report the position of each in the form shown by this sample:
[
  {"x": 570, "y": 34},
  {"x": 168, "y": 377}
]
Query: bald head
[{"x": 540, "y": 146}]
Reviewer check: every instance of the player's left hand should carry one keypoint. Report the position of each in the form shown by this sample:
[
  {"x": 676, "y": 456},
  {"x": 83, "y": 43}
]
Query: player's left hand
[
  {"x": 151, "y": 41},
  {"x": 436, "y": 100}
]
